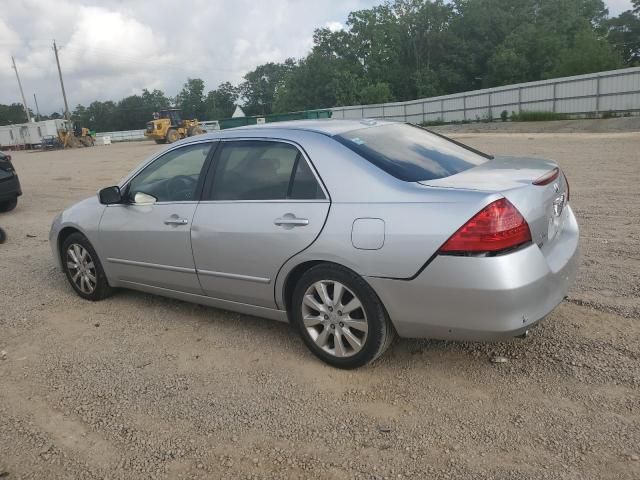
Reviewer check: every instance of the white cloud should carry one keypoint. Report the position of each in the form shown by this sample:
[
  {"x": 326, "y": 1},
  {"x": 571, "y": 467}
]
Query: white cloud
[
  {"x": 616, "y": 7},
  {"x": 113, "y": 48},
  {"x": 335, "y": 26}
]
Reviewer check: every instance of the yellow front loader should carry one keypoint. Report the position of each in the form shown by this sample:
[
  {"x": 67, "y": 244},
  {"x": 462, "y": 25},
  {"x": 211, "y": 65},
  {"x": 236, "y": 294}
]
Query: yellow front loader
[{"x": 168, "y": 126}]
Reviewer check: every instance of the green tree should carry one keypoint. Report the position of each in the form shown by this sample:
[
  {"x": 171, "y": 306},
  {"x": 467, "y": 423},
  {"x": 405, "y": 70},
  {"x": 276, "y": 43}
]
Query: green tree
[
  {"x": 261, "y": 85},
  {"x": 586, "y": 54},
  {"x": 103, "y": 116},
  {"x": 318, "y": 81},
  {"x": 154, "y": 100},
  {"x": 191, "y": 99},
  {"x": 13, "y": 113},
  {"x": 221, "y": 102},
  {"x": 131, "y": 113},
  {"x": 376, "y": 93},
  {"x": 624, "y": 34},
  {"x": 425, "y": 40}
]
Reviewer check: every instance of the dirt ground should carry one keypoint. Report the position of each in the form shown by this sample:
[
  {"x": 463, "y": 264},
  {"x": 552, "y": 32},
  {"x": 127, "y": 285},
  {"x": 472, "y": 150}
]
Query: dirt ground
[{"x": 139, "y": 386}]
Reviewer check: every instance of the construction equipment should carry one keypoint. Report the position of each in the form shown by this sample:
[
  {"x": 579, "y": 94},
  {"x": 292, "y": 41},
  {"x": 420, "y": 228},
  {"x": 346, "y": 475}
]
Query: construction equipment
[
  {"x": 168, "y": 126},
  {"x": 76, "y": 136}
]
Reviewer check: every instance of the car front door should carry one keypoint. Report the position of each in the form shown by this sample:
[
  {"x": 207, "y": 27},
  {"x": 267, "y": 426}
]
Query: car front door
[
  {"x": 262, "y": 204},
  {"x": 147, "y": 238}
]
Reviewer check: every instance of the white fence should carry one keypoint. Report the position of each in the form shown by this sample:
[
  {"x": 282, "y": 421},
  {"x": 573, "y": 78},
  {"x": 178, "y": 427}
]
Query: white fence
[
  {"x": 582, "y": 95},
  {"x": 123, "y": 136}
]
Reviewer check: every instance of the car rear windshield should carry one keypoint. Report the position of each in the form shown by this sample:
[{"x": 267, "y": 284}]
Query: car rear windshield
[{"x": 411, "y": 153}]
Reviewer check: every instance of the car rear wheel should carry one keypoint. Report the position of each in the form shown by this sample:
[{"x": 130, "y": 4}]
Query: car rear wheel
[
  {"x": 340, "y": 318},
  {"x": 8, "y": 205},
  {"x": 83, "y": 268}
]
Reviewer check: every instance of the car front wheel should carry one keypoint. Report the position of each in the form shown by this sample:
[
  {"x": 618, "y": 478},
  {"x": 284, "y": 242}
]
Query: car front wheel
[
  {"x": 340, "y": 317},
  {"x": 83, "y": 268}
]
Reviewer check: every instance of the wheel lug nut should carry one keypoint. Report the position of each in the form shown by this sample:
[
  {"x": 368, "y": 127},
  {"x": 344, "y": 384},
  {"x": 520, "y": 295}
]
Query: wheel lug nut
[
  {"x": 339, "y": 312},
  {"x": 341, "y": 324},
  {"x": 333, "y": 326},
  {"x": 326, "y": 317},
  {"x": 331, "y": 309}
]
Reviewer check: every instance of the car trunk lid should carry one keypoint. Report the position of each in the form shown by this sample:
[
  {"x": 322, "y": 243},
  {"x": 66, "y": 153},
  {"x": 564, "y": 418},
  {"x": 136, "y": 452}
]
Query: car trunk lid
[{"x": 542, "y": 206}]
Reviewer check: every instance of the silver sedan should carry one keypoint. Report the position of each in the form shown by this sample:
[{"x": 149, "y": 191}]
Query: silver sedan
[{"x": 354, "y": 231}]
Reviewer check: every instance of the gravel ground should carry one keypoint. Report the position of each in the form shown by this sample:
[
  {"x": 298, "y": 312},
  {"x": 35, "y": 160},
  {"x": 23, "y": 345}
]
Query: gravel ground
[{"x": 140, "y": 386}]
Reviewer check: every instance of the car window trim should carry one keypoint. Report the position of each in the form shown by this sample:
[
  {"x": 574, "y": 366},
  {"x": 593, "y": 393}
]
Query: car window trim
[
  {"x": 213, "y": 147},
  {"x": 292, "y": 178},
  {"x": 208, "y": 187}
]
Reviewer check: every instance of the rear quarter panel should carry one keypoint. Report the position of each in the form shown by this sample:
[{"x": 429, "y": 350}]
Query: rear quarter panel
[{"x": 417, "y": 219}]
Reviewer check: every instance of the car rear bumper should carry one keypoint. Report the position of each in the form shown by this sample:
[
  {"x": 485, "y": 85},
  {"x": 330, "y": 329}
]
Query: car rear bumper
[
  {"x": 10, "y": 189},
  {"x": 488, "y": 298}
]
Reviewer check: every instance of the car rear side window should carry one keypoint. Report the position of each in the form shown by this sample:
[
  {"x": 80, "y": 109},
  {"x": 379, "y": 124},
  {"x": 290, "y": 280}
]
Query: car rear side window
[
  {"x": 262, "y": 170},
  {"x": 304, "y": 185},
  {"x": 411, "y": 153}
]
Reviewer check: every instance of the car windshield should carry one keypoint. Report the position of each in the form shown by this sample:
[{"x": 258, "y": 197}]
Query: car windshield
[{"x": 411, "y": 153}]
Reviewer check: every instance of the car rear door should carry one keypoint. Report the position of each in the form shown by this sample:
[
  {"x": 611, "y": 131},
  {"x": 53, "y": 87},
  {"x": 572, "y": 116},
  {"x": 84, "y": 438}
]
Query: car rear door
[
  {"x": 148, "y": 243},
  {"x": 263, "y": 203}
]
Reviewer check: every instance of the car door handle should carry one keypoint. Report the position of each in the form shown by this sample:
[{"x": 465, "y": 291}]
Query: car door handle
[
  {"x": 290, "y": 220},
  {"x": 176, "y": 221}
]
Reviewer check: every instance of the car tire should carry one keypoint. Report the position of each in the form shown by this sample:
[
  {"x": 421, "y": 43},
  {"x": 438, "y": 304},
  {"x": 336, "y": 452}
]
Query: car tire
[
  {"x": 342, "y": 339},
  {"x": 172, "y": 136},
  {"x": 161, "y": 141},
  {"x": 8, "y": 205},
  {"x": 83, "y": 269}
]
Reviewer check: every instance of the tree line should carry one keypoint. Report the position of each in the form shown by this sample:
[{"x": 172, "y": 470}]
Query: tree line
[{"x": 403, "y": 50}]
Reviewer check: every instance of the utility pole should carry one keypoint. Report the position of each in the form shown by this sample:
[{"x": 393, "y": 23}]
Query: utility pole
[
  {"x": 37, "y": 108},
  {"x": 64, "y": 94},
  {"x": 24, "y": 101}
]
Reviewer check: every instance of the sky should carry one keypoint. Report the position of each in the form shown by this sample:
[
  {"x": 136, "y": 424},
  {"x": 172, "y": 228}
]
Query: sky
[{"x": 113, "y": 48}]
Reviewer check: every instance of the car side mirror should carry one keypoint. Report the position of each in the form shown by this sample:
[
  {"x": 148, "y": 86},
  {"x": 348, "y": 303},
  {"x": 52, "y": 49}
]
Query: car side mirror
[
  {"x": 110, "y": 195},
  {"x": 141, "y": 198}
]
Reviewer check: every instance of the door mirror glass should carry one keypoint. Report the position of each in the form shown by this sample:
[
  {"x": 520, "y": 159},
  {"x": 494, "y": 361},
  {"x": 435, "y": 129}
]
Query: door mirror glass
[
  {"x": 110, "y": 195},
  {"x": 141, "y": 198}
]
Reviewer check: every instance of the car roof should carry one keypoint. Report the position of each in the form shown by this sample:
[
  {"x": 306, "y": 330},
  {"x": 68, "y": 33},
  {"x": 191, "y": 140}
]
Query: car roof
[
  {"x": 324, "y": 126},
  {"x": 288, "y": 129}
]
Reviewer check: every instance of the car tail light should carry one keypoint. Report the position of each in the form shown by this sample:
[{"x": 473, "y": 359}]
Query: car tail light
[
  {"x": 548, "y": 177},
  {"x": 498, "y": 226}
]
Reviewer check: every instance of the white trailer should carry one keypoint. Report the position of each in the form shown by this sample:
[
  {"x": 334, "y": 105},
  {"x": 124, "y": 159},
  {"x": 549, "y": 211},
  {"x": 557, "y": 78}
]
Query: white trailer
[{"x": 28, "y": 135}]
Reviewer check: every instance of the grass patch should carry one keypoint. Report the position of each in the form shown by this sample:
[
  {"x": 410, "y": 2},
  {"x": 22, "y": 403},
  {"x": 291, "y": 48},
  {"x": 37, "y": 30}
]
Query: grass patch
[
  {"x": 433, "y": 123},
  {"x": 534, "y": 116}
]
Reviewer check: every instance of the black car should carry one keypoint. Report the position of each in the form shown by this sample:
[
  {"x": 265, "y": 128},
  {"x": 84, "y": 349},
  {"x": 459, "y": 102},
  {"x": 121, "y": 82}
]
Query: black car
[{"x": 9, "y": 184}]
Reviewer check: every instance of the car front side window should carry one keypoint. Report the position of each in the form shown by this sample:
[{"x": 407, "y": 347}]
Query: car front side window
[{"x": 174, "y": 176}]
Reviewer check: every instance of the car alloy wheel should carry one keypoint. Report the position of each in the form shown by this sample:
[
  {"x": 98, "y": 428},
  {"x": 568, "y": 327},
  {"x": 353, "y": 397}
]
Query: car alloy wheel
[
  {"x": 82, "y": 269},
  {"x": 334, "y": 318}
]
